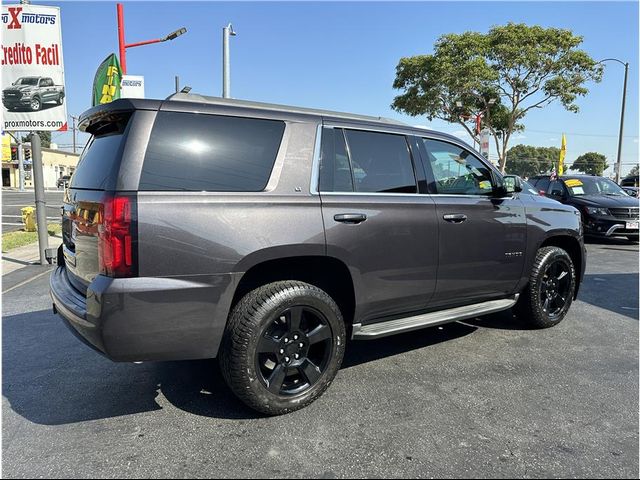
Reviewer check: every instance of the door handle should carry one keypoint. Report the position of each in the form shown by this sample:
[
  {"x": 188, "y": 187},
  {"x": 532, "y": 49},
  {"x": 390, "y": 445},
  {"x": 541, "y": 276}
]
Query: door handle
[
  {"x": 351, "y": 218},
  {"x": 455, "y": 217}
]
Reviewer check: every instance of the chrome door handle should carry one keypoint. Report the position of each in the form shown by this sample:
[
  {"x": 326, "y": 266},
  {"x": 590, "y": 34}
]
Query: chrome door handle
[{"x": 455, "y": 217}]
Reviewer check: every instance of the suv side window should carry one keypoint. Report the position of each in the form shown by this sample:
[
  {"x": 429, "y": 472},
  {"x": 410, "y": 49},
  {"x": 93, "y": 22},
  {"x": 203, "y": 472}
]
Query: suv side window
[
  {"x": 197, "y": 152},
  {"x": 457, "y": 171},
  {"x": 381, "y": 162},
  {"x": 542, "y": 185},
  {"x": 335, "y": 170}
]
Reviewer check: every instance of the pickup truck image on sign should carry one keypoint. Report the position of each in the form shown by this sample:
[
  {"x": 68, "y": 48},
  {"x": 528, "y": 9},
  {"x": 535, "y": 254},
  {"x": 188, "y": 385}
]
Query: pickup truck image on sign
[{"x": 32, "y": 93}]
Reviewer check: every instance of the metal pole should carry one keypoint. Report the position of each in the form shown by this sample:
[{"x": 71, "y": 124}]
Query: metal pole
[
  {"x": 41, "y": 204},
  {"x": 74, "y": 133},
  {"x": 226, "y": 81},
  {"x": 624, "y": 98},
  {"x": 20, "y": 163},
  {"x": 177, "y": 83},
  {"x": 121, "y": 43}
]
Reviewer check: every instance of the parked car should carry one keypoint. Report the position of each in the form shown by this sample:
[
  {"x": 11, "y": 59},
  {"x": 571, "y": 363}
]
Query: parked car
[
  {"x": 632, "y": 191},
  {"x": 31, "y": 93},
  {"x": 630, "y": 181},
  {"x": 268, "y": 235},
  {"x": 63, "y": 181},
  {"x": 606, "y": 209}
]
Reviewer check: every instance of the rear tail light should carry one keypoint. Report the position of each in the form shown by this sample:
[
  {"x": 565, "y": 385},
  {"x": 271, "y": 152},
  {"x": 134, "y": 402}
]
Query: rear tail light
[{"x": 117, "y": 236}]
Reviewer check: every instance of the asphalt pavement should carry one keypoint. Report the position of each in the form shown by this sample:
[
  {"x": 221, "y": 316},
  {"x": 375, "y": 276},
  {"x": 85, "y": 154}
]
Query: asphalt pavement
[
  {"x": 484, "y": 398},
  {"x": 13, "y": 201}
]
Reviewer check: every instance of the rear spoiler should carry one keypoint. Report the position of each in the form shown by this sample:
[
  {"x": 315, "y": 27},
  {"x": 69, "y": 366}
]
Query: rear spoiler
[{"x": 91, "y": 120}]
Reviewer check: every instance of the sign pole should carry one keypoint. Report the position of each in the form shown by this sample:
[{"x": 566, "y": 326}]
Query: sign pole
[
  {"x": 41, "y": 204},
  {"x": 20, "y": 162}
]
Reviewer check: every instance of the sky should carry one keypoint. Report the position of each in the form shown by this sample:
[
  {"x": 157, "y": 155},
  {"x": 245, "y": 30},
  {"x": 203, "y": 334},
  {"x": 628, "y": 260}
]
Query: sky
[{"x": 342, "y": 56}]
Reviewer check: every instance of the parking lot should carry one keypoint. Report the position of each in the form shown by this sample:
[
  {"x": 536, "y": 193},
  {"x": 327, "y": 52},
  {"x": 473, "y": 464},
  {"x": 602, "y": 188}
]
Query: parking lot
[{"x": 484, "y": 398}]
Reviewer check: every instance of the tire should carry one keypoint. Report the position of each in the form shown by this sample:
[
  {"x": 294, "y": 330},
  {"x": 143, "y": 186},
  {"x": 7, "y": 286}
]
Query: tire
[
  {"x": 35, "y": 104},
  {"x": 261, "y": 340},
  {"x": 553, "y": 278},
  {"x": 59, "y": 100}
]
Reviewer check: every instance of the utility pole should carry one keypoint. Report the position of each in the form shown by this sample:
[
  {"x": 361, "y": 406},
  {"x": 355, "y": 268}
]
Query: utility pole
[
  {"x": 74, "y": 128},
  {"x": 226, "y": 67},
  {"x": 41, "y": 204},
  {"x": 624, "y": 98}
]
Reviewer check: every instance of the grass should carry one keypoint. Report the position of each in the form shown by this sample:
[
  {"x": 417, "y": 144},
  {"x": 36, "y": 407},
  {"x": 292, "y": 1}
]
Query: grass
[{"x": 11, "y": 240}]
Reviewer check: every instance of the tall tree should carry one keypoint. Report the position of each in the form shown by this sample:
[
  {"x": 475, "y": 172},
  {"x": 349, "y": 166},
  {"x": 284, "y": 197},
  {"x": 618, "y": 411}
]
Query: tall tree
[
  {"x": 501, "y": 75},
  {"x": 634, "y": 171},
  {"x": 592, "y": 163},
  {"x": 527, "y": 160}
]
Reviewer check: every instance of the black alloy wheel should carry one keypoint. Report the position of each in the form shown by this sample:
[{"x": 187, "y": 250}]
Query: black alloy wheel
[{"x": 294, "y": 350}]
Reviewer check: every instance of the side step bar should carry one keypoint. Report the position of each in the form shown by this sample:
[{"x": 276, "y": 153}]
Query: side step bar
[{"x": 400, "y": 325}]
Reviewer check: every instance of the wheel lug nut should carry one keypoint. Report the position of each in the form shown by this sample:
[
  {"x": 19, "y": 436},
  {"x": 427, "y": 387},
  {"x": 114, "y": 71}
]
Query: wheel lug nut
[
  {"x": 297, "y": 356},
  {"x": 286, "y": 340},
  {"x": 295, "y": 337},
  {"x": 301, "y": 345},
  {"x": 286, "y": 359},
  {"x": 282, "y": 351}
]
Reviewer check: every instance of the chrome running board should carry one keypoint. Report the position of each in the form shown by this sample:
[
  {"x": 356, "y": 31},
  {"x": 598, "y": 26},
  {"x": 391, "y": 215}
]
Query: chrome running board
[{"x": 416, "y": 322}]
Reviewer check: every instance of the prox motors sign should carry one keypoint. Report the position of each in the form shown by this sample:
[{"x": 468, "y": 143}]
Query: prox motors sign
[{"x": 33, "y": 93}]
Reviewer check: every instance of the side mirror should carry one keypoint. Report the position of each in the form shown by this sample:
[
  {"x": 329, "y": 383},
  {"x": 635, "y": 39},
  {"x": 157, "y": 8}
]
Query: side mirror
[{"x": 512, "y": 184}]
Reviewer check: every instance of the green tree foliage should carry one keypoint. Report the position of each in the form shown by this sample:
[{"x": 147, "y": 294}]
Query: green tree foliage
[
  {"x": 527, "y": 160},
  {"x": 502, "y": 74},
  {"x": 45, "y": 139},
  {"x": 592, "y": 163},
  {"x": 634, "y": 171}
]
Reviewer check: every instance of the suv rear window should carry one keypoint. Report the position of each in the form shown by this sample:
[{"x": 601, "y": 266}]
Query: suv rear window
[
  {"x": 100, "y": 160},
  {"x": 198, "y": 152}
]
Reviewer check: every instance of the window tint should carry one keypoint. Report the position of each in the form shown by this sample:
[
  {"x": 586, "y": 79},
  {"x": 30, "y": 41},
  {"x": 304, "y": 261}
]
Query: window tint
[
  {"x": 335, "y": 171},
  {"x": 100, "y": 160},
  {"x": 456, "y": 170},
  {"x": 380, "y": 162},
  {"x": 197, "y": 152}
]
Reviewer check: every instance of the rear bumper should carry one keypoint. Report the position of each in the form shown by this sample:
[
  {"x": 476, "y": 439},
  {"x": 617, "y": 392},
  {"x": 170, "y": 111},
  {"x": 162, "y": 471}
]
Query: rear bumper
[{"x": 147, "y": 319}]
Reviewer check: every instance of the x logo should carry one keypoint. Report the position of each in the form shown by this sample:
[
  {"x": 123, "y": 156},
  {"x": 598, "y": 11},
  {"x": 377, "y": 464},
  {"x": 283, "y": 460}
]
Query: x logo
[{"x": 15, "y": 23}]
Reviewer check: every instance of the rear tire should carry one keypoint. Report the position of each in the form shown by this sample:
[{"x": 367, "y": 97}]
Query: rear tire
[
  {"x": 59, "y": 100},
  {"x": 282, "y": 347},
  {"x": 546, "y": 300}
]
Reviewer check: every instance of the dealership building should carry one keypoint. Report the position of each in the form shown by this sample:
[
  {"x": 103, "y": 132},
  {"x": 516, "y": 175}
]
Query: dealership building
[{"x": 55, "y": 163}]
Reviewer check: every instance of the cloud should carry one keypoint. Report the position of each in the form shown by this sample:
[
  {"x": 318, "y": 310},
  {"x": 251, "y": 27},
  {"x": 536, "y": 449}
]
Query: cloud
[{"x": 519, "y": 137}]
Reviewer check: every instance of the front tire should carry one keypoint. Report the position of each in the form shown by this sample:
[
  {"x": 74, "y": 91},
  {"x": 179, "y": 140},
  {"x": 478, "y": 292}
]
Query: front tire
[
  {"x": 549, "y": 294},
  {"x": 35, "y": 104},
  {"x": 282, "y": 347}
]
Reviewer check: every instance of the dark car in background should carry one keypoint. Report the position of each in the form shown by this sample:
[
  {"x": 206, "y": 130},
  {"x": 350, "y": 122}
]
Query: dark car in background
[
  {"x": 630, "y": 181},
  {"x": 606, "y": 209},
  {"x": 63, "y": 181},
  {"x": 632, "y": 191}
]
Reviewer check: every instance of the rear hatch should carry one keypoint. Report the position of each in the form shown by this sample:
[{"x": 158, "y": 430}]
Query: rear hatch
[{"x": 98, "y": 223}]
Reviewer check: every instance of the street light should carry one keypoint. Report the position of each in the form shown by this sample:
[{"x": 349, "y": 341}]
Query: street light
[
  {"x": 123, "y": 46},
  {"x": 226, "y": 65},
  {"x": 624, "y": 98}
]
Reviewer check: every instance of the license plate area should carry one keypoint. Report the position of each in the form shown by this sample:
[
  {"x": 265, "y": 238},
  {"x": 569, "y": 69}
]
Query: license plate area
[{"x": 632, "y": 226}]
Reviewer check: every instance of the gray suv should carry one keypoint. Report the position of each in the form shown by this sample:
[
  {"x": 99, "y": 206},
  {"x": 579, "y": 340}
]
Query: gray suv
[{"x": 268, "y": 236}]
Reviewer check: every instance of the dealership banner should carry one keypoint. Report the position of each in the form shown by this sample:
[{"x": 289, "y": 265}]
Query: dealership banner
[
  {"x": 33, "y": 93},
  {"x": 106, "y": 82}
]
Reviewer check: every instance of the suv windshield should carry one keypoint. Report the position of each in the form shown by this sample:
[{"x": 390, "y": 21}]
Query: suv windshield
[
  {"x": 27, "y": 81},
  {"x": 592, "y": 186}
]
